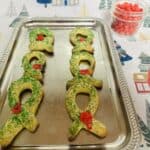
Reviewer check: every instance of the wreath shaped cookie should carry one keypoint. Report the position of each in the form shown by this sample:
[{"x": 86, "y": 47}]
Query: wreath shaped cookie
[
  {"x": 41, "y": 39},
  {"x": 34, "y": 69},
  {"x": 81, "y": 35},
  {"x": 77, "y": 58}
]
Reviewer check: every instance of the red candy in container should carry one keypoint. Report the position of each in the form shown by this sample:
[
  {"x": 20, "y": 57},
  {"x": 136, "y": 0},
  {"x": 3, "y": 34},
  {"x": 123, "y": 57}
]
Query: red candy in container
[{"x": 127, "y": 17}]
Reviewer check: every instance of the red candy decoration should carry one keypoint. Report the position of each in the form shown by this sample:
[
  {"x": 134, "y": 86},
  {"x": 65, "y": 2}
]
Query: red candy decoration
[
  {"x": 86, "y": 118},
  {"x": 40, "y": 37},
  {"x": 17, "y": 108},
  {"x": 127, "y": 18},
  {"x": 84, "y": 71},
  {"x": 37, "y": 66},
  {"x": 82, "y": 39}
]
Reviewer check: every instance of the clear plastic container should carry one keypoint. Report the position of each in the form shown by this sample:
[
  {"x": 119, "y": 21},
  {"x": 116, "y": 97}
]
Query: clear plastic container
[{"x": 127, "y": 17}]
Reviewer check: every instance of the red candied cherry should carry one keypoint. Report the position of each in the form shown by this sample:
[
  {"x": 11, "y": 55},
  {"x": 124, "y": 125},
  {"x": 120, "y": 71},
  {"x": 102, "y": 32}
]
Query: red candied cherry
[
  {"x": 17, "y": 108},
  {"x": 40, "y": 37},
  {"x": 86, "y": 118},
  {"x": 37, "y": 66},
  {"x": 85, "y": 71}
]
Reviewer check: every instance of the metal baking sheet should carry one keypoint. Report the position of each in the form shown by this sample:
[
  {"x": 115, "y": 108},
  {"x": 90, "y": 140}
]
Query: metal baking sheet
[{"x": 115, "y": 109}]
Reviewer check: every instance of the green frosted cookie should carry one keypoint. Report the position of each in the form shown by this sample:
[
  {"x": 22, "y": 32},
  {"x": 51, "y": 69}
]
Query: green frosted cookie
[
  {"x": 77, "y": 58},
  {"x": 33, "y": 64},
  {"x": 83, "y": 119},
  {"x": 81, "y": 35},
  {"x": 23, "y": 113},
  {"x": 41, "y": 39},
  {"x": 21, "y": 85}
]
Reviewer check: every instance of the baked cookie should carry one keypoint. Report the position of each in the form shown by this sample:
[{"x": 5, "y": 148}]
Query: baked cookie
[
  {"x": 83, "y": 119},
  {"x": 41, "y": 39},
  {"x": 77, "y": 58},
  {"x": 21, "y": 85},
  {"x": 80, "y": 35},
  {"x": 24, "y": 114},
  {"x": 33, "y": 64}
]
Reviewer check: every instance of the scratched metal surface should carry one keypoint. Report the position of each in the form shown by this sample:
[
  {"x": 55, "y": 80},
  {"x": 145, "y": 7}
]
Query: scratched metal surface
[{"x": 115, "y": 109}]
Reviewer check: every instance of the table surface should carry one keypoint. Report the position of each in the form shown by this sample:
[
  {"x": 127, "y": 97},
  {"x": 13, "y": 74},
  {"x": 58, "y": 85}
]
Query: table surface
[{"x": 133, "y": 46}]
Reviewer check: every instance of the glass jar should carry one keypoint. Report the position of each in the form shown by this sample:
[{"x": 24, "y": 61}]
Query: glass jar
[{"x": 127, "y": 16}]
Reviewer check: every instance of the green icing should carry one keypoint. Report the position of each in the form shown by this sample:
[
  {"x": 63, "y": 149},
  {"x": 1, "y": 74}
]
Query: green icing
[{"x": 75, "y": 128}]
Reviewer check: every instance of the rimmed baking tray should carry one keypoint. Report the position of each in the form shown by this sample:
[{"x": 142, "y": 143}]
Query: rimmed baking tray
[{"x": 116, "y": 110}]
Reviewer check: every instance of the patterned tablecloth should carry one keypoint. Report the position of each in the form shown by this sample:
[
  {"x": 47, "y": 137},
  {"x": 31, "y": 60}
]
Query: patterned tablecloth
[{"x": 134, "y": 51}]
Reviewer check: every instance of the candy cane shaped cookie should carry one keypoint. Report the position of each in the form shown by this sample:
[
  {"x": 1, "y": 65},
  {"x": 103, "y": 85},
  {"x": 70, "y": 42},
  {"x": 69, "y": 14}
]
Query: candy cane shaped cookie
[
  {"x": 34, "y": 69},
  {"x": 83, "y": 119},
  {"x": 24, "y": 114},
  {"x": 41, "y": 39},
  {"x": 77, "y": 58},
  {"x": 81, "y": 34}
]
